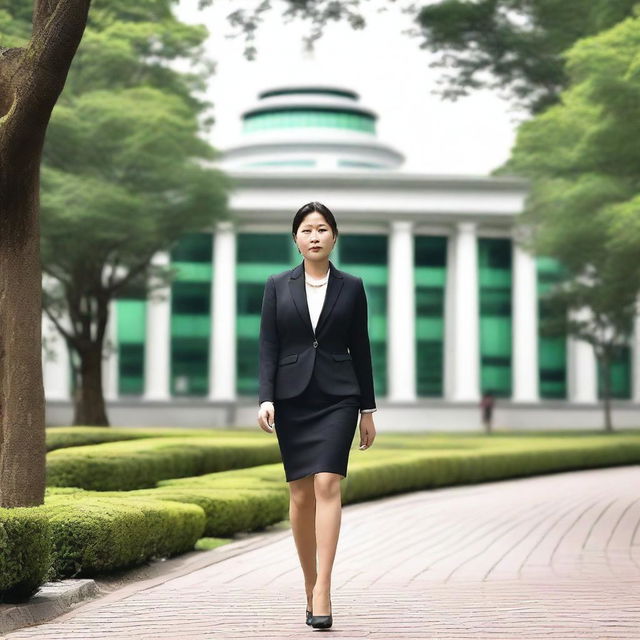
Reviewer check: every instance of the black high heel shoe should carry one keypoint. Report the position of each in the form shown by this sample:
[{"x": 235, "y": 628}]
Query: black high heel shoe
[
  {"x": 323, "y": 622},
  {"x": 308, "y": 616}
]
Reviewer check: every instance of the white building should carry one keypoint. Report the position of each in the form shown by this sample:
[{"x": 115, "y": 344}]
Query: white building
[{"x": 453, "y": 299}]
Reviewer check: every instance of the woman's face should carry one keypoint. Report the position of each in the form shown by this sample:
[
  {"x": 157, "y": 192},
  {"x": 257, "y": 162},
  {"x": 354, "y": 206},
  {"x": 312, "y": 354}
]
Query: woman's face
[{"x": 315, "y": 237}]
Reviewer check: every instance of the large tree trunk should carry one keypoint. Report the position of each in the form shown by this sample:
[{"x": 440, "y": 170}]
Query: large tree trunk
[
  {"x": 22, "y": 434},
  {"x": 31, "y": 80},
  {"x": 89, "y": 406}
]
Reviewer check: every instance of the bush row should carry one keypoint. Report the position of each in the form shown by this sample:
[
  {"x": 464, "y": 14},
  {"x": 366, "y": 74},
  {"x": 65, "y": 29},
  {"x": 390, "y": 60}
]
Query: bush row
[
  {"x": 25, "y": 552},
  {"x": 137, "y": 464},
  {"x": 92, "y": 532},
  {"x": 61, "y": 437},
  {"x": 375, "y": 474},
  {"x": 77, "y": 535}
]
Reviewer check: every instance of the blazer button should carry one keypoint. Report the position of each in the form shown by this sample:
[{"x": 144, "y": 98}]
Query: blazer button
[{"x": 315, "y": 344}]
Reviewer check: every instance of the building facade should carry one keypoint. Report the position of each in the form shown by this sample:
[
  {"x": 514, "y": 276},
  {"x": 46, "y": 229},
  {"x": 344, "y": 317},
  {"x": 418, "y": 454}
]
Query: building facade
[{"x": 454, "y": 300}]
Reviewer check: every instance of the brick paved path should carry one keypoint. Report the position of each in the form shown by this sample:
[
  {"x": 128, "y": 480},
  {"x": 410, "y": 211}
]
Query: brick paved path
[{"x": 555, "y": 556}]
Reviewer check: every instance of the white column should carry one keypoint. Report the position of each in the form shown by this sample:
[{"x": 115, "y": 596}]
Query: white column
[
  {"x": 582, "y": 374},
  {"x": 157, "y": 337},
  {"x": 463, "y": 343},
  {"x": 110, "y": 368},
  {"x": 525, "y": 326},
  {"x": 635, "y": 358},
  {"x": 222, "y": 350},
  {"x": 55, "y": 362},
  {"x": 401, "y": 310}
]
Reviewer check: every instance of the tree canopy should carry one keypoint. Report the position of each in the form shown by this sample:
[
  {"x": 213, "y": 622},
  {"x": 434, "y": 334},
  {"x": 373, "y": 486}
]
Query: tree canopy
[
  {"x": 514, "y": 46},
  {"x": 582, "y": 153},
  {"x": 583, "y": 160},
  {"x": 125, "y": 170}
]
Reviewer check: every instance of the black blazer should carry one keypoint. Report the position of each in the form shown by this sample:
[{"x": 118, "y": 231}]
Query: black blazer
[{"x": 339, "y": 348}]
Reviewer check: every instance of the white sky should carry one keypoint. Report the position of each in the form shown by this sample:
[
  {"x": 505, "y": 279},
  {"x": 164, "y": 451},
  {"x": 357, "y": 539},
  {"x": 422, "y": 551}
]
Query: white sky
[{"x": 386, "y": 67}]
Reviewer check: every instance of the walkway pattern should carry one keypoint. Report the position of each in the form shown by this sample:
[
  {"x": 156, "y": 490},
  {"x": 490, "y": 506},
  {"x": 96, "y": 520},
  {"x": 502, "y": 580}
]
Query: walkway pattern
[{"x": 555, "y": 556}]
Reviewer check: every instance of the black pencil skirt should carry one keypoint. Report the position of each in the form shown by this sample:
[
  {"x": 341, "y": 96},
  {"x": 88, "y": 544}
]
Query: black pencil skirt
[{"x": 315, "y": 431}]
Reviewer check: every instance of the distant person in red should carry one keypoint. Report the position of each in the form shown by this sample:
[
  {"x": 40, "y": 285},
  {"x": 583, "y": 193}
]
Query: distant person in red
[{"x": 486, "y": 404}]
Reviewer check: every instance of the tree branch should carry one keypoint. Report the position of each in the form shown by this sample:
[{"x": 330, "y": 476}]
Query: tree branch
[
  {"x": 102, "y": 318},
  {"x": 58, "y": 26},
  {"x": 50, "y": 271},
  {"x": 139, "y": 268},
  {"x": 65, "y": 334}
]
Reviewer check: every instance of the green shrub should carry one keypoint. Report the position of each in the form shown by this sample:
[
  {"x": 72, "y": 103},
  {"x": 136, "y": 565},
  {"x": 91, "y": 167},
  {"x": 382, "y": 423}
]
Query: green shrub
[
  {"x": 391, "y": 472},
  {"x": 228, "y": 511},
  {"x": 25, "y": 552},
  {"x": 95, "y": 535},
  {"x": 96, "y": 532},
  {"x": 62, "y": 437},
  {"x": 139, "y": 464}
]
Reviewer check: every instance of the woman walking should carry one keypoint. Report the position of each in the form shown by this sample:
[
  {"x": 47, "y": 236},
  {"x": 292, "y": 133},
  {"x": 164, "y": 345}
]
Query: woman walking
[{"x": 315, "y": 376}]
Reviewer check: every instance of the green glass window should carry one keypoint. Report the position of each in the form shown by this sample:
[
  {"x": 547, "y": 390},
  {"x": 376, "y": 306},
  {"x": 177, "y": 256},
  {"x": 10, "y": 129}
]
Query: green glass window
[
  {"x": 552, "y": 350},
  {"x": 308, "y": 117},
  {"x": 131, "y": 327},
  {"x": 365, "y": 255},
  {"x": 191, "y": 314},
  {"x": 259, "y": 255},
  {"x": 369, "y": 251},
  {"x": 494, "y": 258},
  {"x": 430, "y": 268}
]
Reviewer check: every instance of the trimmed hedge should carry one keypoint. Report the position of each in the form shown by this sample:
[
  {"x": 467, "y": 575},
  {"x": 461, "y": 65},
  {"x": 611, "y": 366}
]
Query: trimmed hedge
[
  {"x": 25, "y": 552},
  {"x": 62, "y": 437},
  {"x": 75, "y": 534},
  {"x": 233, "y": 501},
  {"x": 227, "y": 511},
  {"x": 373, "y": 478},
  {"x": 91, "y": 535},
  {"x": 93, "y": 532},
  {"x": 138, "y": 464},
  {"x": 375, "y": 474}
]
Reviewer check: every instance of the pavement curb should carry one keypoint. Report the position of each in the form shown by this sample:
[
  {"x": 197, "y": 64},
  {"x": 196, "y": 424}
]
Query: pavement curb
[{"x": 52, "y": 600}]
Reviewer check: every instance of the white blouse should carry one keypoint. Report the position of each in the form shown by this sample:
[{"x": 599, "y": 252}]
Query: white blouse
[{"x": 315, "y": 296}]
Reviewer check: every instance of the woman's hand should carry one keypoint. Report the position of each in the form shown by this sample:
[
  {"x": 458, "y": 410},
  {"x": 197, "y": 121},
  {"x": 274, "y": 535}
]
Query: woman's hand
[
  {"x": 267, "y": 416},
  {"x": 367, "y": 431}
]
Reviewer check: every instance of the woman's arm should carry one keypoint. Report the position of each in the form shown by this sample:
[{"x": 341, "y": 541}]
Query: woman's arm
[
  {"x": 268, "y": 343},
  {"x": 360, "y": 350}
]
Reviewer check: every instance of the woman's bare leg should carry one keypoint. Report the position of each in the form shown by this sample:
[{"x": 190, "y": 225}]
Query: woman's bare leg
[
  {"x": 328, "y": 519},
  {"x": 302, "y": 514}
]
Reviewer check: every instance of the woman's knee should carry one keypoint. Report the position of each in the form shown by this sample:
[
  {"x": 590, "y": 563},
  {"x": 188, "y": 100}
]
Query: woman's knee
[
  {"x": 302, "y": 492},
  {"x": 327, "y": 485}
]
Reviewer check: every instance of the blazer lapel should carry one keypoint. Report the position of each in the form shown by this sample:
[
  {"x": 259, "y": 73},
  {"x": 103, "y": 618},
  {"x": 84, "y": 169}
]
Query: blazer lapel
[
  {"x": 299, "y": 295},
  {"x": 334, "y": 287}
]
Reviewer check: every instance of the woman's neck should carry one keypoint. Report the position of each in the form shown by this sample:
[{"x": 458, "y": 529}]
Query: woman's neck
[{"x": 316, "y": 269}]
